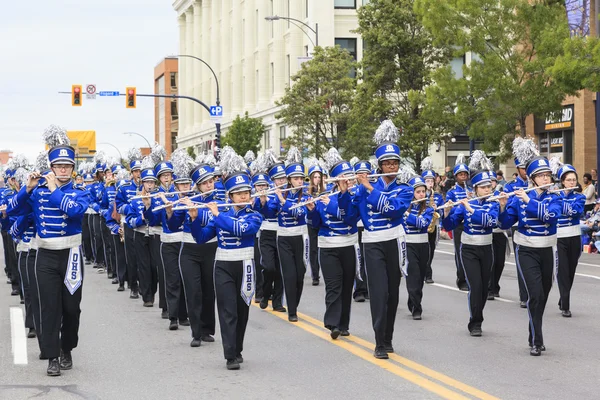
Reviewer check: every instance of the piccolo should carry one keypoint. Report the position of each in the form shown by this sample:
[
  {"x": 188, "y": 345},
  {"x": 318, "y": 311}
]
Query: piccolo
[
  {"x": 271, "y": 192},
  {"x": 525, "y": 190},
  {"x": 340, "y": 178},
  {"x": 268, "y": 191},
  {"x": 151, "y": 195},
  {"x": 181, "y": 199},
  {"x": 205, "y": 205},
  {"x": 315, "y": 199}
]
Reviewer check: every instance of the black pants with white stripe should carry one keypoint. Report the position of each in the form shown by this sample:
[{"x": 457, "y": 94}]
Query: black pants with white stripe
[
  {"x": 5, "y": 248},
  {"x": 271, "y": 272},
  {"x": 382, "y": 265},
  {"x": 338, "y": 266},
  {"x": 233, "y": 310},
  {"x": 291, "y": 261},
  {"x": 86, "y": 237},
  {"x": 109, "y": 251},
  {"x": 536, "y": 265},
  {"x": 35, "y": 300},
  {"x": 98, "y": 241},
  {"x": 196, "y": 264},
  {"x": 477, "y": 262},
  {"x": 360, "y": 286},
  {"x": 313, "y": 237},
  {"x": 259, "y": 270},
  {"x": 131, "y": 260},
  {"x": 522, "y": 290},
  {"x": 120, "y": 259},
  {"x": 569, "y": 251},
  {"x": 417, "y": 255},
  {"x": 156, "y": 261},
  {"x": 460, "y": 271},
  {"x": 25, "y": 288},
  {"x": 13, "y": 265},
  {"x": 433, "y": 239},
  {"x": 175, "y": 299},
  {"x": 499, "y": 242},
  {"x": 59, "y": 309}
]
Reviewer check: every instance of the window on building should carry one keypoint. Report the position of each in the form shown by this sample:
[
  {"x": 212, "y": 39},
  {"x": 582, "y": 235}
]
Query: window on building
[
  {"x": 344, "y": 3},
  {"x": 457, "y": 66},
  {"x": 365, "y": 2},
  {"x": 272, "y": 83},
  {"x": 173, "y": 141},
  {"x": 282, "y": 133},
  {"x": 306, "y": 50},
  {"x": 267, "y": 140},
  {"x": 288, "y": 68},
  {"x": 173, "y": 79},
  {"x": 348, "y": 44},
  {"x": 174, "y": 114}
]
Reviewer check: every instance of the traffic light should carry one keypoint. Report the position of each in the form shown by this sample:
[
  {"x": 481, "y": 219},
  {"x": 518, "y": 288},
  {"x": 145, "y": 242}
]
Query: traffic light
[
  {"x": 130, "y": 96},
  {"x": 76, "y": 95}
]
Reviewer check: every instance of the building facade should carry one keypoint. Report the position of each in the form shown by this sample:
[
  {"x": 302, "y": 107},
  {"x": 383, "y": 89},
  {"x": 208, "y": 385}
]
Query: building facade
[
  {"x": 5, "y": 156},
  {"x": 166, "y": 116},
  {"x": 253, "y": 58}
]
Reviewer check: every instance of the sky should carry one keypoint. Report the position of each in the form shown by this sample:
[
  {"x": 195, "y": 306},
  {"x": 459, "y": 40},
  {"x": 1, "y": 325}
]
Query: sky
[{"x": 47, "y": 46}]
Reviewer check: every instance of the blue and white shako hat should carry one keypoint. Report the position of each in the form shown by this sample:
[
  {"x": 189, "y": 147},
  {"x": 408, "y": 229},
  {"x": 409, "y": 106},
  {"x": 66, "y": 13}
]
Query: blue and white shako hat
[
  {"x": 134, "y": 154},
  {"x": 88, "y": 177},
  {"x": 525, "y": 150},
  {"x": 60, "y": 151},
  {"x": 566, "y": 168},
  {"x": 363, "y": 166},
  {"x": 416, "y": 181},
  {"x": 116, "y": 168},
  {"x": 163, "y": 167},
  {"x": 148, "y": 174},
  {"x": 385, "y": 138},
  {"x": 260, "y": 179},
  {"x": 538, "y": 165},
  {"x": 427, "y": 171},
  {"x": 237, "y": 180},
  {"x": 493, "y": 175},
  {"x": 559, "y": 170},
  {"x": 274, "y": 168},
  {"x": 293, "y": 163},
  {"x": 135, "y": 165},
  {"x": 202, "y": 173},
  {"x": 408, "y": 176},
  {"x": 9, "y": 173},
  {"x": 460, "y": 165},
  {"x": 336, "y": 165},
  {"x": 480, "y": 166}
]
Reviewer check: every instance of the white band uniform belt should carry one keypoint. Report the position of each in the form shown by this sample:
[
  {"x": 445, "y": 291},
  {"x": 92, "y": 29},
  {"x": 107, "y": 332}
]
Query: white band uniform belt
[
  {"x": 329, "y": 242},
  {"x": 156, "y": 230},
  {"x": 142, "y": 229},
  {"x": 245, "y": 253},
  {"x": 59, "y": 243},
  {"x": 382, "y": 235},
  {"x": 417, "y": 238},
  {"x": 173, "y": 237},
  {"x": 23, "y": 246},
  {"x": 292, "y": 231},
  {"x": 269, "y": 226},
  {"x": 189, "y": 238},
  {"x": 568, "y": 231},
  {"x": 539, "y": 242},
  {"x": 476, "y": 240}
]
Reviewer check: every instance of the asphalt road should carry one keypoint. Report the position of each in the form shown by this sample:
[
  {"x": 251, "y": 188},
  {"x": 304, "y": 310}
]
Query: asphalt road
[{"x": 126, "y": 351}]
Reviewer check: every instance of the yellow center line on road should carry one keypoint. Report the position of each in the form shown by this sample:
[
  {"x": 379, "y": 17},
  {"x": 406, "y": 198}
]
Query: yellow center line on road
[
  {"x": 313, "y": 326},
  {"x": 413, "y": 365}
]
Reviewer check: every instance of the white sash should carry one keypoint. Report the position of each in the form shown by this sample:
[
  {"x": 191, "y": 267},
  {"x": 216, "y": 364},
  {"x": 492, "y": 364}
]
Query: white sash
[
  {"x": 358, "y": 258},
  {"x": 73, "y": 277},
  {"x": 402, "y": 255},
  {"x": 555, "y": 266},
  {"x": 306, "y": 249},
  {"x": 248, "y": 284}
]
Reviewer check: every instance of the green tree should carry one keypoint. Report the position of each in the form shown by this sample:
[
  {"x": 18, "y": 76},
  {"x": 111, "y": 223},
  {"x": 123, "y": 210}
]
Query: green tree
[
  {"x": 398, "y": 58},
  {"x": 317, "y": 105},
  {"x": 244, "y": 134},
  {"x": 191, "y": 152},
  {"x": 513, "y": 46}
]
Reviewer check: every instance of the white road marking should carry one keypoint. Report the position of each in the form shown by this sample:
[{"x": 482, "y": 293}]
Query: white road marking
[
  {"x": 18, "y": 336},
  {"x": 458, "y": 290}
]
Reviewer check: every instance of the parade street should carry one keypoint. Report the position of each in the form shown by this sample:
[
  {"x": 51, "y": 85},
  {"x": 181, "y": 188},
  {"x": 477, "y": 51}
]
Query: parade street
[{"x": 126, "y": 351}]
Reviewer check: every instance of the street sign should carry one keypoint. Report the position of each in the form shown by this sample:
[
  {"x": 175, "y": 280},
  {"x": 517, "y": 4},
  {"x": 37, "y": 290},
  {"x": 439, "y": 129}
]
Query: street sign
[
  {"x": 90, "y": 91},
  {"x": 108, "y": 93},
  {"x": 216, "y": 113}
]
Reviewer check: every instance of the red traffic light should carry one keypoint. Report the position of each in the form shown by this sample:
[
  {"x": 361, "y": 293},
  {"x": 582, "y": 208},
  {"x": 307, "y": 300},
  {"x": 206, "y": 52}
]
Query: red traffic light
[
  {"x": 77, "y": 89},
  {"x": 131, "y": 91}
]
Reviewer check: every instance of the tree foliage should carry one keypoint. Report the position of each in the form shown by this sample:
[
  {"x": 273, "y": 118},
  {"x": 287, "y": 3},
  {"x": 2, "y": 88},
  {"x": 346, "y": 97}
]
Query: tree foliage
[
  {"x": 316, "y": 106},
  {"x": 244, "y": 134},
  {"x": 398, "y": 59},
  {"x": 513, "y": 45}
]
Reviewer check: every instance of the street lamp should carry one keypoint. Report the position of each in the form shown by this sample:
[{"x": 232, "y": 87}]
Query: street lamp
[
  {"x": 116, "y": 148},
  {"x": 315, "y": 31},
  {"x": 140, "y": 135}
]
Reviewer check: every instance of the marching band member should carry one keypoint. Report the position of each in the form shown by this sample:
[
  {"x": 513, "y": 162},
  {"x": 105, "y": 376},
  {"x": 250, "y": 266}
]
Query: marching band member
[
  {"x": 235, "y": 228},
  {"x": 115, "y": 224},
  {"x": 459, "y": 192},
  {"x": 250, "y": 159},
  {"x": 293, "y": 245},
  {"x": 146, "y": 275},
  {"x": 267, "y": 206},
  {"x": 537, "y": 213},
  {"x": 480, "y": 217},
  {"x": 361, "y": 289},
  {"x": 315, "y": 188},
  {"x": 500, "y": 243},
  {"x": 196, "y": 261},
  {"x": 522, "y": 182},
  {"x": 435, "y": 200},
  {"x": 58, "y": 265},
  {"x": 338, "y": 248},
  {"x": 170, "y": 245},
  {"x": 86, "y": 229},
  {"x": 108, "y": 194},
  {"x": 416, "y": 221},
  {"x": 382, "y": 205},
  {"x": 569, "y": 235},
  {"x": 96, "y": 192},
  {"x": 10, "y": 251}
]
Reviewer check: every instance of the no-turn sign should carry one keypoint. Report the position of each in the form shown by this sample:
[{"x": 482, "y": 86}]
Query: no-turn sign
[{"x": 90, "y": 91}]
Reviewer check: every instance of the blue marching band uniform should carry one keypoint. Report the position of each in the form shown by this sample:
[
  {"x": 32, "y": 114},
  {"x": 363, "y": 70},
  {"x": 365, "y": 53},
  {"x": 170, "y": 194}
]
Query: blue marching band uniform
[{"x": 161, "y": 229}]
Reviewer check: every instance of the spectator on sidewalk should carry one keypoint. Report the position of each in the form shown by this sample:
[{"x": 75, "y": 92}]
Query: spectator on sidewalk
[
  {"x": 501, "y": 180},
  {"x": 589, "y": 191}
]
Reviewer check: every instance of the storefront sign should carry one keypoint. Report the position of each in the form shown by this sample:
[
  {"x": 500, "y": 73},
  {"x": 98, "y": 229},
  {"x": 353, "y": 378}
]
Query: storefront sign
[{"x": 560, "y": 120}]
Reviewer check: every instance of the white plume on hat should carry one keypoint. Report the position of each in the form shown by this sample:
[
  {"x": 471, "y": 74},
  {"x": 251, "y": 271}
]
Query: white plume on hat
[
  {"x": 460, "y": 159},
  {"x": 182, "y": 163},
  {"x": 293, "y": 156},
  {"x": 54, "y": 136},
  {"x": 405, "y": 173},
  {"x": 249, "y": 156},
  {"x": 157, "y": 154},
  {"x": 387, "y": 132},
  {"x": 148, "y": 162},
  {"x": 134, "y": 153},
  {"x": 525, "y": 150},
  {"x": 41, "y": 162},
  {"x": 426, "y": 164},
  {"x": 555, "y": 165},
  {"x": 332, "y": 157}
]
